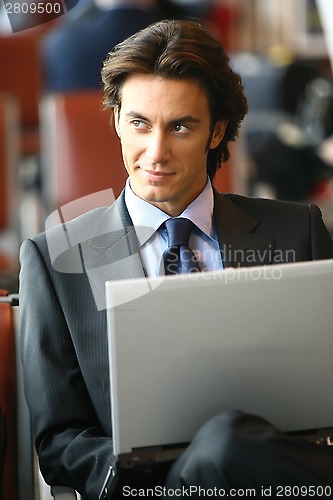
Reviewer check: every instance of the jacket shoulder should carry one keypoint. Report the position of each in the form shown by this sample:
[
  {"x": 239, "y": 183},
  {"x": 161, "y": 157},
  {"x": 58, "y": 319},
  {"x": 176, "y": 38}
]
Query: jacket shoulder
[
  {"x": 249, "y": 202},
  {"x": 292, "y": 224},
  {"x": 60, "y": 238},
  {"x": 276, "y": 211},
  {"x": 84, "y": 224}
]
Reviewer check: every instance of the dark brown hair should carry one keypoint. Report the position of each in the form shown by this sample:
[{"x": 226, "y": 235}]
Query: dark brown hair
[{"x": 181, "y": 50}]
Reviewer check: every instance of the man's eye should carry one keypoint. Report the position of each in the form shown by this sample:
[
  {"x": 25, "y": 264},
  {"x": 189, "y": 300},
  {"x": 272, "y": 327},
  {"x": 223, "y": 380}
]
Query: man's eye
[
  {"x": 180, "y": 129},
  {"x": 138, "y": 124}
]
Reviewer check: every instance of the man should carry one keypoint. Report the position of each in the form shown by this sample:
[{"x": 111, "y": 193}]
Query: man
[{"x": 177, "y": 104}]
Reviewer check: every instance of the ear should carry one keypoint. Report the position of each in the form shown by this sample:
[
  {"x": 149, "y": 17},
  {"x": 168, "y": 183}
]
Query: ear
[
  {"x": 116, "y": 120},
  {"x": 218, "y": 133}
]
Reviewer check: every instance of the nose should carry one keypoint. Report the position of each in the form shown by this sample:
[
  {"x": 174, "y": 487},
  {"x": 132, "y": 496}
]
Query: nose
[{"x": 158, "y": 150}]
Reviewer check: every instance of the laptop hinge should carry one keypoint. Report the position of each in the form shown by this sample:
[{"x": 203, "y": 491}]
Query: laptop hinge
[{"x": 150, "y": 455}]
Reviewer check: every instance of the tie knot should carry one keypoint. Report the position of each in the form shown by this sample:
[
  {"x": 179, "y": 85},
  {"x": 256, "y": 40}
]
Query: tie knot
[{"x": 179, "y": 230}]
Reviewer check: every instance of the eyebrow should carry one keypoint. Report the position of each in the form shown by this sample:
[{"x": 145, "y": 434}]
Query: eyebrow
[{"x": 181, "y": 119}]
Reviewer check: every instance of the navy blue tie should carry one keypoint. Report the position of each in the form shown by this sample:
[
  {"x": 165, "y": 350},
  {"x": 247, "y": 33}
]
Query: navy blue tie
[{"x": 178, "y": 258}]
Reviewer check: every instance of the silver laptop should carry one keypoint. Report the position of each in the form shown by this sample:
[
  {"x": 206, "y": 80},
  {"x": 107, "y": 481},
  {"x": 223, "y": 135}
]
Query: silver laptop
[{"x": 184, "y": 348}]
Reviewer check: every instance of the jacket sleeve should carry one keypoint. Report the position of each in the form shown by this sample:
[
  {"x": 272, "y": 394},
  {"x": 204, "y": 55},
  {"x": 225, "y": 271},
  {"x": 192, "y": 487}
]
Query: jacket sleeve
[
  {"x": 73, "y": 449},
  {"x": 321, "y": 240}
]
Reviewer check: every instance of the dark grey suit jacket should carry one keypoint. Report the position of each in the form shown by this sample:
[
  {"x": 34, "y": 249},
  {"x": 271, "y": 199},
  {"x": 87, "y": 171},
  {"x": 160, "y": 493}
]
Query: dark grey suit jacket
[{"x": 63, "y": 321}]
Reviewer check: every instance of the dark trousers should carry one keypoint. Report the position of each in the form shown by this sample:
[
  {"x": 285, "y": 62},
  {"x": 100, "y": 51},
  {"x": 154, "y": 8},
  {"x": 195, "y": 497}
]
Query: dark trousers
[{"x": 234, "y": 452}]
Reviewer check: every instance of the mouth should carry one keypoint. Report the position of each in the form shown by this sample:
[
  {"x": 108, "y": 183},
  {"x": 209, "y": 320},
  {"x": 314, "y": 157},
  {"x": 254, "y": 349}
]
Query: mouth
[{"x": 155, "y": 175}]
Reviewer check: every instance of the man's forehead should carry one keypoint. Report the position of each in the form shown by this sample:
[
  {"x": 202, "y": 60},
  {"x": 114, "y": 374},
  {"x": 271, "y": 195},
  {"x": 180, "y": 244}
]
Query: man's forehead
[
  {"x": 141, "y": 90},
  {"x": 149, "y": 82}
]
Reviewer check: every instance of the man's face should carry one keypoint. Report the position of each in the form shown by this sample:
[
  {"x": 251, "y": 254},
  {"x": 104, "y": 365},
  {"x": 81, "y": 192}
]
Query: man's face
[{"x": 164, "y": 128}]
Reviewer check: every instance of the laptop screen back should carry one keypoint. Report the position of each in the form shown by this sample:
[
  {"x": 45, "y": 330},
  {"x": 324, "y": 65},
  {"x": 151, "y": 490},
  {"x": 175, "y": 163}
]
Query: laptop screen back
[{"x": 184, "y": 348}]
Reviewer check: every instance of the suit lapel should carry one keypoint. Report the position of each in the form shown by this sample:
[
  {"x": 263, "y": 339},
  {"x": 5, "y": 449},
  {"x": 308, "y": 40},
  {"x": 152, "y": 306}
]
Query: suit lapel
[
  {"x": 238, "y": 234},
  {"x": 112, "y": 253}
]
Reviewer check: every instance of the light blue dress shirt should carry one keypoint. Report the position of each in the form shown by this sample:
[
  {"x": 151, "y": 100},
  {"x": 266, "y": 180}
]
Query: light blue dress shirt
[{"x": 147, "y": 220}]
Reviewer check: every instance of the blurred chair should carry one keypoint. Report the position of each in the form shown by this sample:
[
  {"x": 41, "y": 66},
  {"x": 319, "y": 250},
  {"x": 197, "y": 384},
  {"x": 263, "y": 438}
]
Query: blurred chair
[
  {"x": 80, "y": 150},
  {"x": 8, "y": 394},
  {"x": 22, "y": 479},
  {"x": 9, "y": 193},
  {"x": 9, "y": 156},
  {"x": 21, "y": 77}
]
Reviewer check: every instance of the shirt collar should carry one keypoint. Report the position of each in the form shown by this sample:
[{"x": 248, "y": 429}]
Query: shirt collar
[
  {"x": 200, "y": 211},
  {"x": 147, "y": 218}
]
